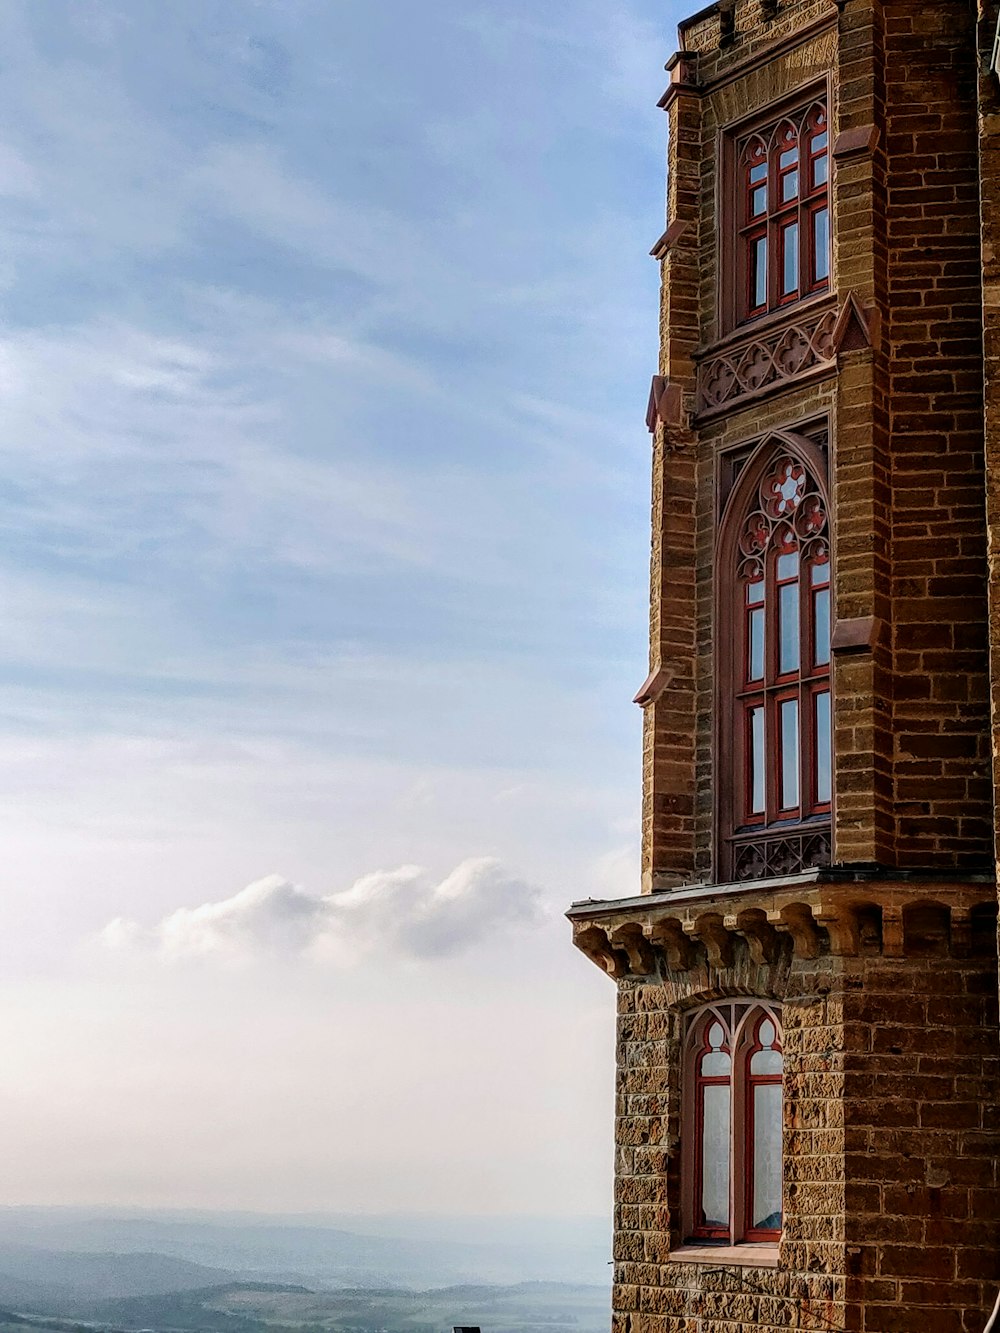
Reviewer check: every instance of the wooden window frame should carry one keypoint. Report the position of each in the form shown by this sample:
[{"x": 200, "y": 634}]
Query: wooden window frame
[
  {"x": 702, "y": 1230},
  {"x": 741, "y": 1019},
  {"x": 739, "y": 227},
  {"x": 737, "y": 695},
  {"x": 751, "y": 1081}
]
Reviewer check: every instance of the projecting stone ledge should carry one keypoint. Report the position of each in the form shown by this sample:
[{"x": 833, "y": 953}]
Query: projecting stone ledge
[{"x": 803, "y": 916}]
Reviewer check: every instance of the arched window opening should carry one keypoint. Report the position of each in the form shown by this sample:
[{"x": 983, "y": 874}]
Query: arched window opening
[
  {"x": 763, "y": 1128},
  {"x": 714, "y": 1103},
  {"x": 775, "y": 585},
  {"x": 733, "y": 1122}
]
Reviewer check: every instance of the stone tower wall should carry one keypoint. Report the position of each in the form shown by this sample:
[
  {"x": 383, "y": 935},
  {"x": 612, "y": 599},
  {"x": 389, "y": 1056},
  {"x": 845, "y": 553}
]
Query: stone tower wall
[{"x": 885, "y": 960}]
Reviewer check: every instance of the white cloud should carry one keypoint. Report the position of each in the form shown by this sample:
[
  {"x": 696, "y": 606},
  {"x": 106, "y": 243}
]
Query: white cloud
[{"x": 401, "y": 912}]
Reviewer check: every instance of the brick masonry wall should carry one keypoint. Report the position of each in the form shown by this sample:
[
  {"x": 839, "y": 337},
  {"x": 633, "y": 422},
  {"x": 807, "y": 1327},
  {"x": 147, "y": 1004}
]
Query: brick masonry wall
[
  {"x": 892, "y": 1216},
  {"x": 989, "y": 150},
  {"x": 863, "y": 743},
  {"x": 942, "y": 804},
  {"x": 911, "y": 722}
]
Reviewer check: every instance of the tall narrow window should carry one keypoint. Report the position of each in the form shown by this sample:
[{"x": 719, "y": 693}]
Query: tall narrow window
[
  {"x": 714, "y": 1104},
  {"x": 733, "y": 1122},
  {"x": 776, "y": 725},
  {"x": 783, "y": 183}
]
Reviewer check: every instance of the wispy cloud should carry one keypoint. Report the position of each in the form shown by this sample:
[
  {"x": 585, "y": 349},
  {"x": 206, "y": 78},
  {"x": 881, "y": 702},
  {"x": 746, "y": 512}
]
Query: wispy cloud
[
  {"x": 402, "y": 913},
  {"x": 324, "y": 348}
]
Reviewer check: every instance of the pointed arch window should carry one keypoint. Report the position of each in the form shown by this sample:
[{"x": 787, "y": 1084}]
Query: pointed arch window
[
  {"x": 775, "y": 774},
  {"x": 783, "y": 212},
  {"x": 733, "y": 1120}
]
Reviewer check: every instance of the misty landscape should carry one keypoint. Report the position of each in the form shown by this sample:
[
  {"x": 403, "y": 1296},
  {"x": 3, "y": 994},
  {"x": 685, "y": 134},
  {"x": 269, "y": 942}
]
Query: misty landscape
[{"x": 68, "y": 1269}]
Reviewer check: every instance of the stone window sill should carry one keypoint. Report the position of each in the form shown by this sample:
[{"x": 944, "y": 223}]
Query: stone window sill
[{"x": 727, "y": 1256}]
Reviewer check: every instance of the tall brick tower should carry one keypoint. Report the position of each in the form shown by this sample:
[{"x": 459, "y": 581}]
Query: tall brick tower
[{"x": 807, "y": 981}]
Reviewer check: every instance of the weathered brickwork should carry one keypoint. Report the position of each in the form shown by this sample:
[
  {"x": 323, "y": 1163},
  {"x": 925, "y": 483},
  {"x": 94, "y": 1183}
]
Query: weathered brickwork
[
  {"x": 883, "y": 955},
  {"x": 933, "y": 332},
  {"x": 892, "y": 1063},
  {"x": 989, "y": 171},
  {"x": 906, "y": 417}
]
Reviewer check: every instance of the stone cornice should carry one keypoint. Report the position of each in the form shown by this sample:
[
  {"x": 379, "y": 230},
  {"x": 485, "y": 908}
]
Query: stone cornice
[{"x": 845, "y": 914}]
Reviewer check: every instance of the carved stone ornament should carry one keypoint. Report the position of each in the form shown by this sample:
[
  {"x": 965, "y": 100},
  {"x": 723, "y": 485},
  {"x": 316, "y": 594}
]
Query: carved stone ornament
[
  {"x": 758, "y": 364},
  {"x": 684, "y": 932},
  {"x": 780, "y": 854},
  {"x": 665, "y": 406}
]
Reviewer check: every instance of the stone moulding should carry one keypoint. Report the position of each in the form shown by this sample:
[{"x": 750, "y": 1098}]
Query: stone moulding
[
  {"x": 683, "y": 932},
  {"x": 764, "y": 360}
]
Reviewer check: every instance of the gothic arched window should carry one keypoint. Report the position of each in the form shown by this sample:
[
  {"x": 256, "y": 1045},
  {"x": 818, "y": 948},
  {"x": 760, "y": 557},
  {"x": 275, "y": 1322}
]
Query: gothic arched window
[
  {"x": 775, "y": 774},
  {"x": 732, "y": 1127}
]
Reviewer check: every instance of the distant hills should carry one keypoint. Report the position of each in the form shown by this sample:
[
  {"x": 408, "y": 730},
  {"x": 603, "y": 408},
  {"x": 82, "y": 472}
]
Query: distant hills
[
  {"x": 52, "y": 1280},
  {"x": 82, "y": 1254},
  {"x": 83, "y": 1271},
  {"x": 531, "y": 1307}
]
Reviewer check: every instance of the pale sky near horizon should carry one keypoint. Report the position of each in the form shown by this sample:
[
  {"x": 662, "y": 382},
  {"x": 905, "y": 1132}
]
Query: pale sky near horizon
[{"x": 325, "y": 337}]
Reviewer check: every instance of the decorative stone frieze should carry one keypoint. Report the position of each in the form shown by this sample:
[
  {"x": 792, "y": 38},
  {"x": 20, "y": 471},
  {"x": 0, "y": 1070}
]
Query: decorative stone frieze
[{"x": 759, "y": 362}]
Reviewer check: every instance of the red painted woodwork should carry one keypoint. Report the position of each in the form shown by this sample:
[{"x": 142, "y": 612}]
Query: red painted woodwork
[{"x": 784, "y": 219}]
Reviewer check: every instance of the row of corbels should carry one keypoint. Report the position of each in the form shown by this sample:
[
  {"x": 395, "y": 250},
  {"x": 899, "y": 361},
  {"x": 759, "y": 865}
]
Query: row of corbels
[
  {"x": 633, "y": 949},
  {"x": 842, "y": 927}
]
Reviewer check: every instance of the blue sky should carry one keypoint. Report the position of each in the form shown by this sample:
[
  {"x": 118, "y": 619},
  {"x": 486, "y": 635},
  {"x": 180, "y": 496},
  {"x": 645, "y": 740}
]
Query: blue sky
[{"x": 325, "y": 336}]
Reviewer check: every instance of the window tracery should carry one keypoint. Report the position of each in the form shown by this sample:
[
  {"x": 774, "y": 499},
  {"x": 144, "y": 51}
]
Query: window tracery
[{"x": 775, "y": 694}]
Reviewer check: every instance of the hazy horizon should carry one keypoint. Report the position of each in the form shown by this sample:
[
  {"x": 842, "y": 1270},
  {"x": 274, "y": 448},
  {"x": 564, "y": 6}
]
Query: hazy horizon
[{"x": 325, "y": 344}]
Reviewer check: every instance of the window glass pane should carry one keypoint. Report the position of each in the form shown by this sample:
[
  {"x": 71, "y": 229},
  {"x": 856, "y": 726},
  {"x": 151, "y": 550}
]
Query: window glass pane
[
  {"x": 821, "y": 244},
  {"x": 758, "y": 201},
  {"x": 766, "y": 1062},
  {"x": 789, "y": 157},
  {"x": 788, "y": 628},
  {"x": 788, "y": 565},
  {"x": 755, "y": 593},
  {"x": 756, "y": 758},
  {"x": 717, "y": 1064},
  {"x": 765, "y": 1211},
  {"x": 789, "y": 754},
  {"x": 819, "y": 141},
  {"x": 821, "y": 171},
  {"x": 766, "y": 1033},
  {"x": 758, "y": 272},
  {"x": 819, "y": 572},
  {"x": 823, "y": 746},
  {"x": 821, "y": 627},
  {"x": 790, "y": 259},
  {"x": 715, "y": 1155},
  {"x": 758, "y": 173},
  {"x": 755, "y": 657},
  {"x": 789, "y": 186}
]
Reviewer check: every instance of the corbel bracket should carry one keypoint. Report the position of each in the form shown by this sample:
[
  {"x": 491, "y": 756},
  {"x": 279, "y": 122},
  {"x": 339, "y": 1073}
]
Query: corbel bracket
[{"x": 666, "y": 404}]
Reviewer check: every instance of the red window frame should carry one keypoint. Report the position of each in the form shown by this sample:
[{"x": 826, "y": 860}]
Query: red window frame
[
  {"x": 702, "y": 1081},
  {"x": 741, "y": 1021},
  {"x": 750, "y": 1082},
  {"x": 783, "y": 523},
  {"x": 783, "y": 183}
]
